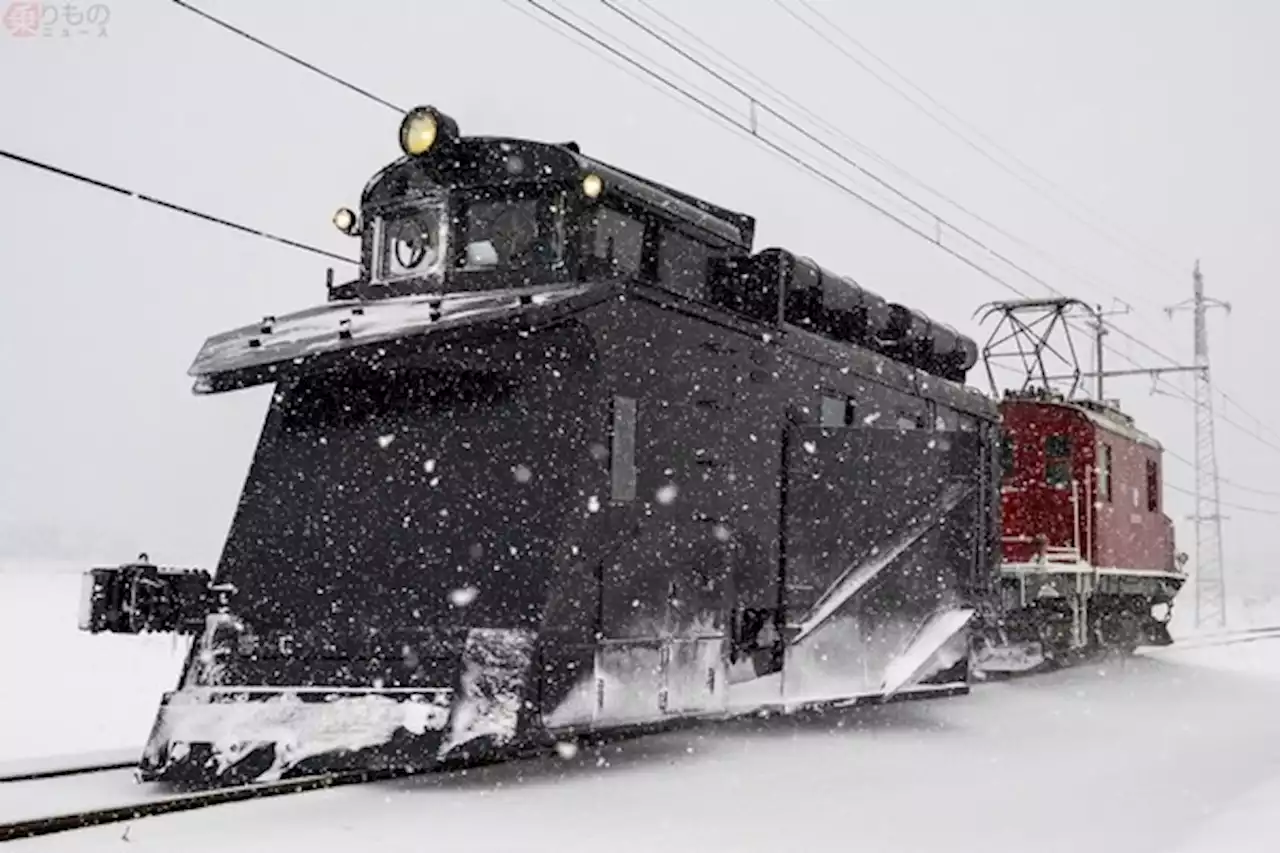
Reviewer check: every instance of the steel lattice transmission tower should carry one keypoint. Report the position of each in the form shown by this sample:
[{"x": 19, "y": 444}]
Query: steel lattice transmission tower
[{"x": 1210, "y": 581}]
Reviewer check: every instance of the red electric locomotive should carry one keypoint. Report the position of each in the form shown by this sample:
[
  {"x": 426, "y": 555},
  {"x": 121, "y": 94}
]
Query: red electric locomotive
[{"x": 1088, "y": 556}]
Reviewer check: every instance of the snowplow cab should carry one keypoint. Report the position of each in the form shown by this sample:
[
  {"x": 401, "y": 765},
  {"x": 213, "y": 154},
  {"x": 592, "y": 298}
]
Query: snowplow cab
[{"x": 544, "y": 467}]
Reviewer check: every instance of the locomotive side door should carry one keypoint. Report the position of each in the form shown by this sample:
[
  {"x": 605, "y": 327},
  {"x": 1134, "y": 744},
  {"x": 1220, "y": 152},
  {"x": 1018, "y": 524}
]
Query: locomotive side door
[
  {"x": 665, "y": 593},
  {"x": 694, "y": 468}
]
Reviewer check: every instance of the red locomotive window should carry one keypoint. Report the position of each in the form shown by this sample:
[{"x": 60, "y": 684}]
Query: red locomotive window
[
  {"x": 1104, "y": 472},
  {"x": 1006, "y": 456},
  {"x": 1057, "y": 460},
  {"x": 1153, "y": 486}
]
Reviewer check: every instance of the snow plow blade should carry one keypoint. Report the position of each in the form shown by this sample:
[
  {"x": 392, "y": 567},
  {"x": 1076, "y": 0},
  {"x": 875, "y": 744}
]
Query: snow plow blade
[
  {"x": 934, "y": 648},
  {"x": 877, "y": 560},
  {"x": 1156, "y": 633},
  {"x": 209, "y": 737},
  {"x": 1009, "y": 657}
]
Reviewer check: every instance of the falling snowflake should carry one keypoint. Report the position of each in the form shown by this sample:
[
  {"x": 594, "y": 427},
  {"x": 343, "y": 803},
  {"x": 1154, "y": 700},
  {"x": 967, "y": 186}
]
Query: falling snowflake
[
  {"x": 722, "y": 533},
  {"x": 522, "y": 473},
  {"x": 667, "y": 494},
  {"x": 463, "y": 596},
  {"x": 384, "y": 441},
  {"x": 566, "y": 749},
  {"x": 810, "y": 447},
  {"x": 429, "y": 466},
  {"x": 593, "y": 504}
]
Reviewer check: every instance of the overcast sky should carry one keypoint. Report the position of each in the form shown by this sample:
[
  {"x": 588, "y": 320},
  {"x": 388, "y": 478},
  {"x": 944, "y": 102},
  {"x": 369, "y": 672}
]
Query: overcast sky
[{"x": 1159, "y": 116}]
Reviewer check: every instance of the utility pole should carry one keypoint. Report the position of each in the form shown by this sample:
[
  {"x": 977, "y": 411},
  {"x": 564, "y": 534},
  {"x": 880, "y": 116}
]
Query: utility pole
[
  {"x": 1100, "y": 332},
  {"x": 1210, "y": 582}
]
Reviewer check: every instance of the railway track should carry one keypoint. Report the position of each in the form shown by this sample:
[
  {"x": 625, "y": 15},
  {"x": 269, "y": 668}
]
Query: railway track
[
  {"x": 101, "y": 794},
  {"x": 67, "y": 765},
  {"x": 104, "y": 791},
  {"x": 98, "y": 795},
  {"x": 110, "y": 796},
  {"x": 1226, "y": 638}
]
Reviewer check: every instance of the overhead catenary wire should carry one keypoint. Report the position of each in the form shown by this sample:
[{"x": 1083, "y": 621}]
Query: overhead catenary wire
[
  {"x": 745, "y": 73},
  {"x": 1175, "y": 391},
  {"x": 680, "y": 49},
  {"x": 723, "y": 116},
  {"x": 341, "y": 81},
  {"x": 792, "y": 124},
  {"x": 836, "y": 131},
  {"x": 172, "y": 206},
  {"x": 1226, "y": 482},
  {"x": 777, "y": 148},
  {"x": 826, "y": 146},
  {"x": 630, "y": 71},
  {"x": 833, "y": 26},
  {"x": 1228, "y": 504},
  {"x": 1173, "y": 454},
  {"x": 1102, "y": 230},
  {"x": 289, "y": 56},
  {"x": 808, "y": 167}
]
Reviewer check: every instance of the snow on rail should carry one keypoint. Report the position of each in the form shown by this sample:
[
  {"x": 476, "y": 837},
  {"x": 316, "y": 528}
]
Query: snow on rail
[
  {"x": 113, "y": 796},
  {"x": 22, "y": 770}
]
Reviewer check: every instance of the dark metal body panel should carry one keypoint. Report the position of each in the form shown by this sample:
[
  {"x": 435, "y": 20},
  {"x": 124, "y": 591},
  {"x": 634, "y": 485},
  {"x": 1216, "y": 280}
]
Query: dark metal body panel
[{"x": 432, "y": 548}]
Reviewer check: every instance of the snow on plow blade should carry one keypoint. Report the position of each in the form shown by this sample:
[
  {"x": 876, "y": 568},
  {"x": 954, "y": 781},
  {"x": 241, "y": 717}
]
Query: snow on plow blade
[
  {"x": 238, "y": 734},
  {"x": 933, "y": 648}
]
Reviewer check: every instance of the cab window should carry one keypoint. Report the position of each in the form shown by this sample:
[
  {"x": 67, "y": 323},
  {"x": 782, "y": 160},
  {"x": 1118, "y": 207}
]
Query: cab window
[
  {"x": 684, "y": 263},
  {"x": 1104, "y": 472},
  {"x": 509, "y": 229},
  {"x": 837, "y": 411},
  {"x": 613, "y": 243},
  {"x": 1057, "y": 460}
]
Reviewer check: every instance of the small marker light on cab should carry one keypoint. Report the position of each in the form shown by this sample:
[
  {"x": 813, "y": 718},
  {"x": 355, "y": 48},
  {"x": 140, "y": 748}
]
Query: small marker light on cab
[
  {"x": 592, "y": 186},
  {"x": 346, "y": 221}
]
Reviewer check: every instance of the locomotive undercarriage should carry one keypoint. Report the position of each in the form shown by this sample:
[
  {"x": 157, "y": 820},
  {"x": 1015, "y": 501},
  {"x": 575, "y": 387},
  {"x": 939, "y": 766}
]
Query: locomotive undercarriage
[{"x": 1050, "y": 618}]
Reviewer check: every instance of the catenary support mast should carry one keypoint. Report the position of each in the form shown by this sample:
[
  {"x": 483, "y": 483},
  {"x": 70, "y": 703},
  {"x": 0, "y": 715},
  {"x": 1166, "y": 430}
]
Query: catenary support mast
[{"x": 1210, "y": 580}]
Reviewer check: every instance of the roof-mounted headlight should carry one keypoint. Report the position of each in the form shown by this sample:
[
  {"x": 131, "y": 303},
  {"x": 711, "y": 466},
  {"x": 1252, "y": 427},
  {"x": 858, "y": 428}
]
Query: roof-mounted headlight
[{"x": 425, "y": 128}]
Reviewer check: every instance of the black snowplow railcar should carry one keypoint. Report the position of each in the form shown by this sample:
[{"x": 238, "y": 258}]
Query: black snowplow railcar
[{"x": 567, "y": 456}]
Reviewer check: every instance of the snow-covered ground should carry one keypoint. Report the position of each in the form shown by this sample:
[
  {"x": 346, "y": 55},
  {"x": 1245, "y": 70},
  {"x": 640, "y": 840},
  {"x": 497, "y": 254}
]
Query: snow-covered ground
[{"x": 1175, "y": 751}]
